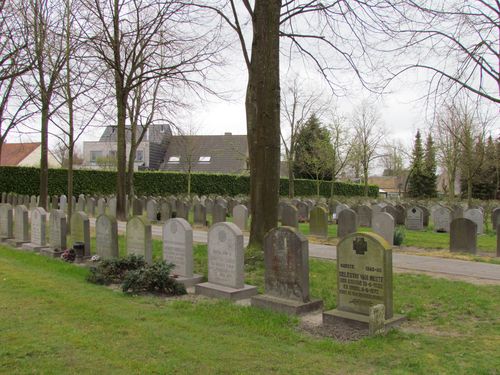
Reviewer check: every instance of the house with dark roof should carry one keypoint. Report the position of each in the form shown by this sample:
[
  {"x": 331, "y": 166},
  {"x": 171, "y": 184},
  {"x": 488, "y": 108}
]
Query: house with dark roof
[
  {"x": 161, "y": 150},
  {"x": 25, "y": 155}
]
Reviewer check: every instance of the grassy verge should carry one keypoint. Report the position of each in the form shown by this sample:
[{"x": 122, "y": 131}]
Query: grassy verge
[{"x": 52, "y": 321}]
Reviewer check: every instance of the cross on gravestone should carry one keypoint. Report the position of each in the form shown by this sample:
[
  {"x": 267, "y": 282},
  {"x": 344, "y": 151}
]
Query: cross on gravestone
[{"x": 360, "y": 246}]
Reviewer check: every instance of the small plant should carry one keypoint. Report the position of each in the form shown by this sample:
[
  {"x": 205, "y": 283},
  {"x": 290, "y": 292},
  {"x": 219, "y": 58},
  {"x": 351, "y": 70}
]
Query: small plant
[
  {"x": 68, "y": 255},
  {"x": 109, "y": 271},
  {"x": 399, "y": 235},
  {"x": 155, "y": 278}
]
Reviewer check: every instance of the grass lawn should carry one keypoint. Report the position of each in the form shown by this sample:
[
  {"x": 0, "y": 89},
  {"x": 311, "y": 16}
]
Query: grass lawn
[{"x": 53, "y": 322}]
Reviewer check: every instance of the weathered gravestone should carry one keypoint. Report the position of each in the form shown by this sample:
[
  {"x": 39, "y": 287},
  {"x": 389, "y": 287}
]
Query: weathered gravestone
[
  {"x": 152, "y": 210},
  {"x": 286, "y": 261},
  {"x": 182, "y": 210},
  {"x": 178, "y": 249},
  {"x": 318, "y": 222},
  {"x": 240, "y": 216},
  {"x": 339, "y": 208},
  {"x": 498, "y": 240},
  {"x": 91, "y": 206},
  {"x": 495, "y": 218},
  {"x": 442, "y": 219},
  {"x": 364, "y": 280},
  {"x": 475, "y": 215},
  {"x": 225, "y": 265},
  {"x": 200, "y": 214},
  {"x": 414, "y": 218},
  {"x": 463, "y": 236},
  {"x": 112, "y": 206},
  {"x": 165, "y": 210},
  {"x": 4, "y": 197},
  {"x": 101, "y": 206},
  {"x": 80, "y": 230},
  {"x": 457, "y": 212},
  {"x": 347, "y": 222},
  {"x": 136, "y": 207},
  {"x": 401, "y": 215},
  {"x": 21, "y": 231},
  {"x": 138, "y": 238},
  {"x": 57, "y": 234},
  {"x": 106, "y": 237},
  {"x": 383, "y": 225},
  {"x": 82, "y": 204},
  {"x": 38, "y": 230},
  {"x": 302, "y": 211},
  {"x": 33, "y": 202},
  {"x": 63, "y": 203},
  {"x": 6, "y": 222},
  {"x": 55, "y": 202},
  {"x": 219, "y": 213},
  {"x": 290, "y": 216},
  {"x": 365, "y": 216}
]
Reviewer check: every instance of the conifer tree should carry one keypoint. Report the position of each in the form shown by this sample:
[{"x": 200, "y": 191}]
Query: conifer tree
[
  {"x": 417, "y": 179},
  {"x": 430, "y": 190}
]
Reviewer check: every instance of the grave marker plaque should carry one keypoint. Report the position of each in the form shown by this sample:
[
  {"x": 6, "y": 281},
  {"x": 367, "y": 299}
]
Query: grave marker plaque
[
  {"x": 138, "y": 238},
  {"x": 106, "y": 237}
]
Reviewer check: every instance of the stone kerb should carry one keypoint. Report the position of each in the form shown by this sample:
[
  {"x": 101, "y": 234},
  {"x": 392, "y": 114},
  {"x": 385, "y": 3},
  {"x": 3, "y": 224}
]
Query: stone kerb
[
  {"x": 225, "y": 264},
  {"x": 286, "y": 260},
  {"x": 178, "y": 250},
  {"x": 364, "y": 280}
]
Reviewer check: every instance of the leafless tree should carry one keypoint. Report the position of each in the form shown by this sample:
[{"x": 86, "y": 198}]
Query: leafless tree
[
  {"x": 393, "y": 158},
  {"x": 343, "y": 142}
]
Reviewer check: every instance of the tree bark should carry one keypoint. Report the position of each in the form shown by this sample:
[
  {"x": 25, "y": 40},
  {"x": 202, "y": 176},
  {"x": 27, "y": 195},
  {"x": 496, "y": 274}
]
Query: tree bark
[
  {"x": 291, "y": 179},
  {"x": 44, "y": 165},
  {"x": 263, "y": 119}
]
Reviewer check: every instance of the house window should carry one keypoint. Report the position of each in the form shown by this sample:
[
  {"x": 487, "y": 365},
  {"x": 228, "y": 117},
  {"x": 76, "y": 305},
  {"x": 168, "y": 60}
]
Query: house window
[
  {"x": 204, "y": 159},
  {"x": 94, "y": 155},
  {"x": 139, "y": 155},
  {"x": 174, "y": 160}
]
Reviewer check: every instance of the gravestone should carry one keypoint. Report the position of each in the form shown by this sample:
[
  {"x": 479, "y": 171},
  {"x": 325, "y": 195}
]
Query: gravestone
[
  {"x": 152, "y": 210},
  {"x": 414, "y": 218},
  {"x": 165, "y": 210},
  {"x": 4, "y": 197},
  {"x": 219, "y": 212},
  {"x": 442, "y": 219},
  {"x": 457, "y": 212},
  {"x": 112, "y": 206},
  {"x": 38, "y": 230},
  {"x": 400, "y": 216},
  {"x": 33, "y": 202},
  {"x": 136, "y": 207},
  {"x": 225, "y": 264},
  {"x": 106, "y": 237},
  {"x": 426, "y": 214},
  {"x": 182, "y": 209},
  {"x": 391, "y": 210},
  {"x": 302, "y": 211},
  {"x": 463, "y": 236},
  {"x": 91, "y": 206},
  {"x": 495, "y": 218},
  {"x": 289, "y": 216},
  {"x": 178, "y": 249},
  {"x": 80, "y": 230},
  {"x": 138, "y": 238},
  {"x": 21, "y": 230},
  {"x": 55, "y": 202},
  {"x": 209, "y": 204},
  {"x": 498, "y": 240},
  {"x": 57, "y": 234},
  {"x": 364, "y": 280},
  {"x": 82, "y": 203},
  {"x": 365, "y": 216},
  {"x": 376, "y": 208},
  {"x": 476, "y": 215},
  {"x": 240, "y": 216},
  {"x": 286, "y": 261},
  {"x": 200, "y": 214},
  {"x": 63, "y": 203},
  {"x": 6, "y": 222},
  {"x": 383, "y": 225},
  {"x": 339, "y": 208},
  {"x": 318, "y": 222},
  {"x": 347, "y": 222},
  {"x": 101, "y": 206}
]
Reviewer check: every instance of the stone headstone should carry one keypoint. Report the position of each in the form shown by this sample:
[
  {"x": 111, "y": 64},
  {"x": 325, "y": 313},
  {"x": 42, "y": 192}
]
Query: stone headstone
[
  {"x": 476, "y": 215},
  {"x": 498, "y": 239},
  {"x": 106, "y": 237},
  {"x": 165, "y": 210},
  {"x": 58, "y": 230},
  {"x": 219, "y": 213},
  {"x": 383, "y": 225},
  {"x": 302, "y": 211},
  {"x": 347, "y": 222},
  {"x": 240, "y": 216},
  {"x": 91, "y": 206},
  {"x": 463, "y": 236},
  {"x": 112, "y": 206},
  {"x": 442, "y": 219},
  {"x": 101, "y": 206},
  {"x": 414, "y": 218},
  {"x": 225, "y": 264},
  {"x": 136, "y": 207},
  {"x": 138, "y": 238},
  {"x": 33, "y": 202},
  {"x": 178, "y": 249},
  {"x": 182, "y": 209},
  {"x": 21, "y": 230},
  {"x": 457, "y": 212},
  {"x": 209, "y": 204},
  {"x": 426, "y": 215},
  {"x": 4, "y": 197},
  {"x": 82, "y": 203},
  {"x": 6, "y": 222},
  {"x": 200, "y": 214},
  {"x": 286, "y": 261},
  {"x": 339, "y": 208},
  {"x": 55, "y": 202},
  {"x": 318, "y": 222},
  {"x": 495, "y": 218},
  {"x": 38, "y": 230},
  {"x": 63, "y": 203},
  {"x": 80, "y": 230},
  {"x": 365, "y": 215},
  {"x": 364, "y": 280},
  {"x": 290, "y": 216},
  {"x": 401, "y": 215},
  {"x": 152, "y": 210}
]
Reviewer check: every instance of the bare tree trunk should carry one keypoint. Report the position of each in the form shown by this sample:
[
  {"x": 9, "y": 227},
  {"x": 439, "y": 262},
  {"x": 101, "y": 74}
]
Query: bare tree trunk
[
  {"x": 121, "y": 162},
  {"x": 365, "y": 177},
  {"x": 44, "y": 167},
  {"x": 263, "y": 119},
  {"x": 291, "y": 179}
]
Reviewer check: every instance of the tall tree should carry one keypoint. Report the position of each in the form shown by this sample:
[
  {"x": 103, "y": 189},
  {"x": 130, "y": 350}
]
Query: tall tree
[
  {"x": 417, "y": 177},
  {"x": 430, "y": 187},
  {"x": 343, "y": 144}
]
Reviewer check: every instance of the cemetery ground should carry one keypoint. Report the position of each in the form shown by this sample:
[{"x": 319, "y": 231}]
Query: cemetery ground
[{"x": 53, "y": 321}]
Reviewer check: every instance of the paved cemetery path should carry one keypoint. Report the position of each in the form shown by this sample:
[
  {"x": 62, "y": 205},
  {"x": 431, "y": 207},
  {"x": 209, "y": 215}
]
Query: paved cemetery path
[{"x": 476, "y": 272}]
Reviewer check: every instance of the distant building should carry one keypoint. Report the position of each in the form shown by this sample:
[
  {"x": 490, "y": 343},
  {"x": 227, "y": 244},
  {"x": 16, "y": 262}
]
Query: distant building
[
  {"x": 389, "y": 185},
  {"x": 161, "y": 150},
  {"x": 25, "y": 155}
]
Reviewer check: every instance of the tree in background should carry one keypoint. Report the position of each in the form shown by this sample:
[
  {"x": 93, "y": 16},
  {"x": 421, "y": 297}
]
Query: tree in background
[
  {"x": 343, "y": 144},
  {"x": 318, "y": 160},
  {"x": 393, "y": 158},
  {"x": 417, "y": 178},
  {"x": 430, "y": 186}
]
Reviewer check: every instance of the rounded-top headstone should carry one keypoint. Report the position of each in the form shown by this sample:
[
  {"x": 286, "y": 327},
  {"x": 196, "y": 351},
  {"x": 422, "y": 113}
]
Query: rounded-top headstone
[{"x": 178, "y": 246}]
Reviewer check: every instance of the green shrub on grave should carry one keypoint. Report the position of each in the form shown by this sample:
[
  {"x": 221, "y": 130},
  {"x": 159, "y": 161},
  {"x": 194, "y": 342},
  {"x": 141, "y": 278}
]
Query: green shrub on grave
[{"x": 25, "y": 180}]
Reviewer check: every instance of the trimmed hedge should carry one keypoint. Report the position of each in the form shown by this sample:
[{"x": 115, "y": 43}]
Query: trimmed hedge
[{"x": 26, "y": 180}]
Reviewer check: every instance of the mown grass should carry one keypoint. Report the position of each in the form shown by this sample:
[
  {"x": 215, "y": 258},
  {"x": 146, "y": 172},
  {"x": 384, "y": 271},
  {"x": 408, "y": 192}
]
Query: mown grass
[{"x": 53, "y": 322}]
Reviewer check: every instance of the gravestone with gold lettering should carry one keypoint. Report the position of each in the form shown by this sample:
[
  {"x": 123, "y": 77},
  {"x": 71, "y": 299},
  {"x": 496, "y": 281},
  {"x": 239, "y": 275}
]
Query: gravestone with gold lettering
[{"x": 364, "y": 279}]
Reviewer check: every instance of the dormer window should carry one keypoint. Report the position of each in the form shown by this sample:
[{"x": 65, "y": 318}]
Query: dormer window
[
  {"x": 174, "y": 160},
  {"x": 204, "y": 159}
]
